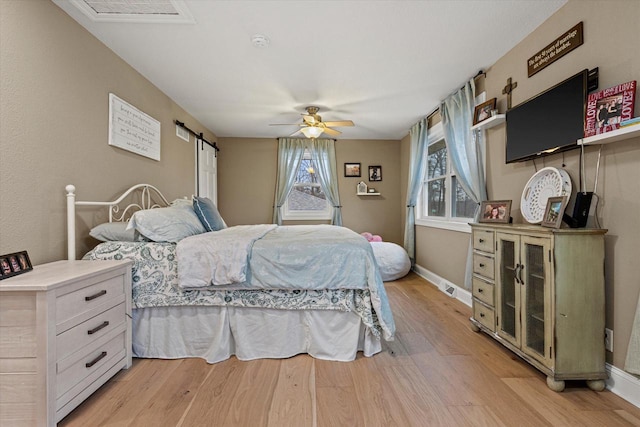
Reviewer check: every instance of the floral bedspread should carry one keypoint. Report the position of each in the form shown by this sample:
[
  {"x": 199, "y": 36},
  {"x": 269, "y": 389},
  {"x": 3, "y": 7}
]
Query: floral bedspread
[{"x": 155, "y": 284}]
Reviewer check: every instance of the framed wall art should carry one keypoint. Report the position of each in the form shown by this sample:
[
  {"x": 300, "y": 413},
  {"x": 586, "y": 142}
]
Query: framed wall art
[
  {"x": 352, "y": 169},
  {"x": 375, "y": 173}
]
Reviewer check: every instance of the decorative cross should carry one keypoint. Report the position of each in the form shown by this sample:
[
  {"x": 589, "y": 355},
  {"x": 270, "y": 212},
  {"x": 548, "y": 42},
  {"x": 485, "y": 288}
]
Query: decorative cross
[{"x": 507, "y": 90}]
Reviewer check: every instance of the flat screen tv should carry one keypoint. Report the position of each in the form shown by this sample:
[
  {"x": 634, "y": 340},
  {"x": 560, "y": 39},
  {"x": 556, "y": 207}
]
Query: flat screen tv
[{"x": 548, "y": 123}]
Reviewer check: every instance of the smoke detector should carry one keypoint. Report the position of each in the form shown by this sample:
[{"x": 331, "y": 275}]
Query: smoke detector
[{"x": 258, "y": 40}]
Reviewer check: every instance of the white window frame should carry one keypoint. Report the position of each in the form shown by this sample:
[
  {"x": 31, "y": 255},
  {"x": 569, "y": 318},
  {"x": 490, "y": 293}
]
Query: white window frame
[{"x": 306, "y": 215}]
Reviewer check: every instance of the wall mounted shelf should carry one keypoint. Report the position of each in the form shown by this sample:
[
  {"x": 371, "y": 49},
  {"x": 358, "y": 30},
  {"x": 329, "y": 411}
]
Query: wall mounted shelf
[
  {"x": 368, "y": 194},
  {"x": 490, "y": 122},
  {"x": 621, "y": 134}
]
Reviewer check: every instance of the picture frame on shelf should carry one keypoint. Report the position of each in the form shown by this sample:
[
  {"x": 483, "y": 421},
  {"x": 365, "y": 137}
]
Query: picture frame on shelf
[
  {"x": 352, "y": 170},
  {"x": 14, "y": 264},
  {"x": 496, "y": 211},
  {"x": 483, "y": 111},
  {"x": 554, "y": 211},
  {"x": 607, "y": 108},
  {"x": 375, "y": 173},
  {"x": 361, "y": 188}
]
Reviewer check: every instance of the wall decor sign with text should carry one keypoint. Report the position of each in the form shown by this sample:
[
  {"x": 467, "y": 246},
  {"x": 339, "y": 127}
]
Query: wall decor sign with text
[
  {"x": 556, "y": 49},
  {"x": 133, "y": 130}
]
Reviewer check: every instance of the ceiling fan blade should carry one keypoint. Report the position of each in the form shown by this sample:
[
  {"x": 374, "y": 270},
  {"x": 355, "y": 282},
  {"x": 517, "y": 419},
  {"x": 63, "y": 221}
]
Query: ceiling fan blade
[
  {"x": 296, "y": 132},
  {"x": 331, "y": 132},
  {"x": 340, "y": 123},
  {"x": 284, "y": 124}
]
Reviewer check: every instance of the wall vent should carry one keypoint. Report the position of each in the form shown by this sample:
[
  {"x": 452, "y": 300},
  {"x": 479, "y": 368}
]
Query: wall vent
[
  {"x": 448, "y": 289},
  {"x": 182, "y": 133},
  {"x": 139, "y": 11}
]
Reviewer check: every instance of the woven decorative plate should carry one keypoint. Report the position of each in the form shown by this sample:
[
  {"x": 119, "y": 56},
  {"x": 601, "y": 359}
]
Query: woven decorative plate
[{"x": 547, "y": 182}]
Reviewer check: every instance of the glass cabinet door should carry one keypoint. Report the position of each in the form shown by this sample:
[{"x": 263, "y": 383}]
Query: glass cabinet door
[
  {"x": 508, "y": 304},
  {"x": 536, "y": 320}
]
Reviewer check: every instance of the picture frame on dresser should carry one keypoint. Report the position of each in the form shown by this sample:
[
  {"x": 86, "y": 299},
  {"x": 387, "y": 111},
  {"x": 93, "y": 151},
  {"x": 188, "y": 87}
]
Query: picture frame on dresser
[
  {"x": 496, "y": 211},
  {"x": 553, "y": 212},
  {"x": 14, "y": 264}
]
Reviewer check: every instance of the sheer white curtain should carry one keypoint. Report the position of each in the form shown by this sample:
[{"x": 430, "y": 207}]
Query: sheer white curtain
[
  {"x": 324, "y": 153},
  {"x": 417, "y": 162},
  {"x": 290, "y": 152},
  {"x": 466, "y": 151}
]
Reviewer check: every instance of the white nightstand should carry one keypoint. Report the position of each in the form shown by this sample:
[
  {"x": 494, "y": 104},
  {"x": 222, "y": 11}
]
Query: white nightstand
[{"x": 65, "y": 329}]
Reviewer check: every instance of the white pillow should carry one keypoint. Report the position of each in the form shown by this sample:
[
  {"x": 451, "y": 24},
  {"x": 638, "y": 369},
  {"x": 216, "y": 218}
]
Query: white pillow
[
  {"x": 115, "y": 232},
  {"x": 170, "y": 224}
]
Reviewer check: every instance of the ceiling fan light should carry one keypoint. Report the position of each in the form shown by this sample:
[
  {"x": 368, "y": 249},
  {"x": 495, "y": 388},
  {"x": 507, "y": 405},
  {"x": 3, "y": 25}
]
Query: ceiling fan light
[{"x": 312, "y": 131}]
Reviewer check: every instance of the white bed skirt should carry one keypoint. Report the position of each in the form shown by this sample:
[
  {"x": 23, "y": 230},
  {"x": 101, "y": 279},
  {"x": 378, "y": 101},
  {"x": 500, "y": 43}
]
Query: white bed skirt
[{"x": 217, "y": 333}]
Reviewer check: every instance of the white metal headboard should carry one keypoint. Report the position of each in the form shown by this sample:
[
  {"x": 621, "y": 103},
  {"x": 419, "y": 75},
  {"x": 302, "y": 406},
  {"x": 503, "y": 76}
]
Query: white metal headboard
[{"x": 150, "y": 197}]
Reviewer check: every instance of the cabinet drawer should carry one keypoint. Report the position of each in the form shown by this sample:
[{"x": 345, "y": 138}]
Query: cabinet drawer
[
  {"x": 92, "y": 297},
  {"x": 90, "y": 330},
  {"x": 483, "y": 291},
  {"x": 93, "y": 361},
  {"x": 483, "y": 265},
  {"x": 483, "y": 240},
  {"x": 484, "y": 315}
]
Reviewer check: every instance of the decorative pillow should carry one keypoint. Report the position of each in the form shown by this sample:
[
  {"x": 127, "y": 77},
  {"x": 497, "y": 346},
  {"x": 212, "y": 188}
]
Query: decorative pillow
[
  {"x": 170, "y": 224},
  {"x": 115, "y": 232},
  {"x": 208, "y": 214}
]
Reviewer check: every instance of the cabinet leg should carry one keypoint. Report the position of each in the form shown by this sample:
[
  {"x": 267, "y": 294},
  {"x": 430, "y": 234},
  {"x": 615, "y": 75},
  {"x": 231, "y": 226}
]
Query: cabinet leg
[
  {"x": 474, "y": 327},
  {"x": 596, "y": 385},
  {"x": 555, "y": 385}
]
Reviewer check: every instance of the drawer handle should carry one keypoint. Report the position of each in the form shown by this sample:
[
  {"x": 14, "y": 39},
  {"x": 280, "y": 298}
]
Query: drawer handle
[
  {"x": 481, "y": 240},
  {"x": 96, "y": 360},
  {"x": 96, "y": 295},
  {"x": 480, "y": 290},
  {"x": 97, "y": 328},
  {"x": 481, "y": 314},
  {"x": 481, "y": 265}
]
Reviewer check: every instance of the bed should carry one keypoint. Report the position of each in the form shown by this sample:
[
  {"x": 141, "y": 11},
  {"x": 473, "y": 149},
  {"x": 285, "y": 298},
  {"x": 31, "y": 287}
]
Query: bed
[{"x": 260, "y": 291}]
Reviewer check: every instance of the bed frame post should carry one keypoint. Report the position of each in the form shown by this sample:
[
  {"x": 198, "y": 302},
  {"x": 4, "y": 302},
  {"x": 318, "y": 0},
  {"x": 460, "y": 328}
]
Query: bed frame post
[{"x": 71, "y": 222}]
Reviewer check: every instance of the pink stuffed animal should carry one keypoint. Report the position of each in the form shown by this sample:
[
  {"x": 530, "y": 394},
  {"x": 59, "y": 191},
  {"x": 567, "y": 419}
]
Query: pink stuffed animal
[{"x": 371, "y": 237}]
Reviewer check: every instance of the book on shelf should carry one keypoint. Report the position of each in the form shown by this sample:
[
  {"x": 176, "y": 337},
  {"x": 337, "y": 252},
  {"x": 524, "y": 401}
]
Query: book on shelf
[
  {"x": 630, "y": 122},
  {"x": 608, "y": 108}
]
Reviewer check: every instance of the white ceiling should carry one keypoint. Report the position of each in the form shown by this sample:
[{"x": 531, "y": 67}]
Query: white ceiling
[{"x": 382, "y": 64}]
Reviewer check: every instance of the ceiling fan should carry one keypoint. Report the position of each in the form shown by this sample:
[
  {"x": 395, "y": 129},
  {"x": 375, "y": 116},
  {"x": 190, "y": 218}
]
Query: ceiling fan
[{"x": 312, "y": 125}]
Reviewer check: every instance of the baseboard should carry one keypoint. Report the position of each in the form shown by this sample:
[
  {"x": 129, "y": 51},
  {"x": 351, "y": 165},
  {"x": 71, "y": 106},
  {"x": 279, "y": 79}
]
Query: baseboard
[
  {"x": 623, "y": 384},
  {"x": 444, "y": 285},
  {"x": 619, "y": 382}
]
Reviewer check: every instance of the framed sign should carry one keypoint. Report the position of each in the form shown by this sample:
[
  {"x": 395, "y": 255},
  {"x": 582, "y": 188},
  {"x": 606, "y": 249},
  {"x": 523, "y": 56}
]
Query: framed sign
[{"x": 133, "y": 130}]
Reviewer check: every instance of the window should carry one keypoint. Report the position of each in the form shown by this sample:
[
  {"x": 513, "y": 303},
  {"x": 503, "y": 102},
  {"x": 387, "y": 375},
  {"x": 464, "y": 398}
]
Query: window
[
  {"x": 307, "y": 201},
  {"x": 443, "y": 202}
]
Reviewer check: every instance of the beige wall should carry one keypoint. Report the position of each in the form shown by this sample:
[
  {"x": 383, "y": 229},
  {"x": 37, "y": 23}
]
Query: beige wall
[
  {"x": 614, "y": 52},
  {"x": 55, "y": 83},
  {"x": 247, "y": 175}
]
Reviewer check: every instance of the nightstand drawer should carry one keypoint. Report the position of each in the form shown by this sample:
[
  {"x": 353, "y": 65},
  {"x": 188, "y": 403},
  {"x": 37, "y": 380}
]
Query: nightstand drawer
[
  {"x": 483, "y": 240},
  {"x": 93, "y": 297},
  {"x": 483, "y": 265},
  {"x": 483, "y": 291},
  {"x": 90, "y": 330},
  {"x": 484, "y": 315},
  {"x": 83, "y": 367}
]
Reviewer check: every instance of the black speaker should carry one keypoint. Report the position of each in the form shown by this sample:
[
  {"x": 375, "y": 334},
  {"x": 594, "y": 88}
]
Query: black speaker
[{"x": 580, "y": 210}]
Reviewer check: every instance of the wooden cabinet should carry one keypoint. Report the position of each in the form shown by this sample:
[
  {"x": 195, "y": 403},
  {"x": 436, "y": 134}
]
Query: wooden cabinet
[
  {"x": 65, "y": 329},
  {"x": 540, "y": 292}
]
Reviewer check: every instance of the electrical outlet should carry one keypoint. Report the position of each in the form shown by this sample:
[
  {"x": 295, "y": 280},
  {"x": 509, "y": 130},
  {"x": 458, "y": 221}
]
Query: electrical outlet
[{"x": 608, "y": 339}]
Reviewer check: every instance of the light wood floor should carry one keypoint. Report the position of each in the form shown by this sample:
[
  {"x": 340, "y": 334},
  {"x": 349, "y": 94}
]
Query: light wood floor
[{"x": 436, "y": 373}]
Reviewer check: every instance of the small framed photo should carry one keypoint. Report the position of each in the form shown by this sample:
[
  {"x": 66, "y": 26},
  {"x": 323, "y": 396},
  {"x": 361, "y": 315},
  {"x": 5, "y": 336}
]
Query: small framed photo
[
  {"x": 361, "y": 188},
  {"x": 483, "y": 111},
  {"x": 14, "y": 264},
  {"x": 496, "y": 211},
  {"x": 375, "y": 173},
  {"x": 554, "y": 211},
  {"x": 352, "y": 169}
]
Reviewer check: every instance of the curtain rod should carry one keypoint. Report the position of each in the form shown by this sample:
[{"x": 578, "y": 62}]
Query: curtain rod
[
  {"x": 476, "y": 77},
  {"x": 197, "y": 135}
]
